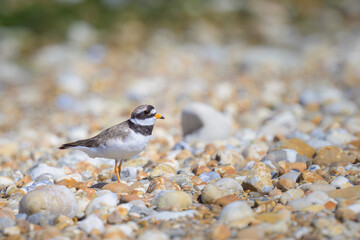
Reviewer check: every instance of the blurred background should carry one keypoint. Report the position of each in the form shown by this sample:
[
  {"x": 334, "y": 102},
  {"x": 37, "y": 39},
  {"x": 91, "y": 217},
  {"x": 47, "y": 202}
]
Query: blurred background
[{"x": 69, "y": 68}]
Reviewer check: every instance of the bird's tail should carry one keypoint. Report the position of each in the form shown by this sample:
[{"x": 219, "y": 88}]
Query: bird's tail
[
  {"x": 71, "y": 144},
  {"x": 85, "y": 143}
]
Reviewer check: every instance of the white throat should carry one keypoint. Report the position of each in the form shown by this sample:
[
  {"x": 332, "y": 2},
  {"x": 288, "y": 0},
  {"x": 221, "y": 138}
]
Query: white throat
[{"x": 143, "y": 122}]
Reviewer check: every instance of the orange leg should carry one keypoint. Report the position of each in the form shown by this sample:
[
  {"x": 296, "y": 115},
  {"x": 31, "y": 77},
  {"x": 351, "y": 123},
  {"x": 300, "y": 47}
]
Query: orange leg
[
  {"x": 116, "y": 169},
  {"x": 119, "y": 169}
]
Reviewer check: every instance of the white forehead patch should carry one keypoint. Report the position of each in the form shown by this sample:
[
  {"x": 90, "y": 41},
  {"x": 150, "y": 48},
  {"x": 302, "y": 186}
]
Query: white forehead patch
[{"x": 153, "y": 111}]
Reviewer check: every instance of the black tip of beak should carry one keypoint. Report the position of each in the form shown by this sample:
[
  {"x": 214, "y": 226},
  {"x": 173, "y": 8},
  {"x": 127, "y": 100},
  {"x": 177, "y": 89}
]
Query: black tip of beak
[{"x": 162, "y": 117}]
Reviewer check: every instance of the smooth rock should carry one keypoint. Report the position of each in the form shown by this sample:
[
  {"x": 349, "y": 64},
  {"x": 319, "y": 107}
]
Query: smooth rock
[
  {"x": 33, "y": 185},
  {"x": 292, "y": 175},
  {"x": 256, "y": 151},
  {"x": 223, "y": 201},
  {"x": 339, "y": 137},
  {"x": 104, "y": 201},
  {"x": 310, "y": 176},
  {"x": 6, "y": 222},
  {"x": 51, "y": 201},
  {"x": 209, "y": 176},
  {"x": 211, "y": 193},
  {"x": 200, "y": 122},
  {"x": 153, "y": 234},
  {"x": 341, "y": 182},
  {"x": 299, "y": 204},
  {"x": 161, "y": 183},
  {"x": 259, "y": 179},
  {"x": 235, "y": 211},
  {"x": 129, "y": 174},
  {"x": 226, "y": 170},
  {"x": 90, "y": 223},
  {"x": 287, "y": 155},
  {"x": 178, "y": 200},
  {"x": 291, "y": 194},
  {"x": 162, "y": 169},
  {"x": 318, "y": 187},
  {"x": 230, "y": 156},
  {"x": 285, "y": 184},
  {"x": 117, "y": 188},
  {"x": 5, "y": 182},
  {"x": 317, "y": 197},
  {"x": 331, "y": 154},
  {"x": 43, "y": 168},
  {"x": 230, "y": 185},
  {"x": 347, "y": 193},
  {"x": 296, "y": 144}
]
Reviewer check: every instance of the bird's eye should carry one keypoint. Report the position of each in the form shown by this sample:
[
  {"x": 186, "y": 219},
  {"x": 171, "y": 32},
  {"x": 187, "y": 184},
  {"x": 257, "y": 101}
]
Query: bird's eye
[{"x": 147, "y": 112}]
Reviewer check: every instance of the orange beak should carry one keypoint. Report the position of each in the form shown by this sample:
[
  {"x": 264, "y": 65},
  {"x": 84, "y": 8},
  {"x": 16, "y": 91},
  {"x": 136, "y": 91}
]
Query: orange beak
[{"x": 158, "y": 116}]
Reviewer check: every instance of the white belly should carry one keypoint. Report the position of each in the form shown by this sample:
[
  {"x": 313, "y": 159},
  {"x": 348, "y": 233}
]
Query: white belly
[{"x": 119, "y": 149}]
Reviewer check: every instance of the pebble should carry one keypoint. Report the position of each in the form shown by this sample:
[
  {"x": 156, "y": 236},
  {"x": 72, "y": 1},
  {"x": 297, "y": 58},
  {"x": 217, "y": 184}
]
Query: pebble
[
  {"x": 331, "y": 154},
  {"x": 153, "y": 234},
  {"x": 117, "y": 188},
  {"x": 5, "y": 182},
  {"x": 259, "y": 179},
  {"x": 170, "y": 200},
  {"x": 105, "y": 200},
  {"x": 235, "y": 211},
  {"x": 91, "y": 223},
  {"x": 256, "y": 151},
  {"x": 287, "y": 155},
  {"x": 341, "y": 182},
  {"x": 209, "y": 176},
  {"x": 310, "y": 176},
  {"x": 223, "y": 201},
  {"x": 42, "y": 168},
  {"x": 296, "y": 144},
  {"x": 347, "y": 193},
  {"x": 230, "y": 185},
  {"x": 161, "y": 169},
  {"x": 299, "y": 204},
  {"x": 161, "y": 183},
  {"x": 292, "y": 175},
  {"x": 51, "y": 201},
  {"x": 200, "y": 122},
  {"x": 318, "y": 187},
  {"x": 317, "y": 197},
  {"x": 230, "y": 156},
  {"x": 211, "y": 193},
  {"x": 291, "y": 194},
  {"x": 6, "y": 222},
  {"x": 285, "y": 184}
]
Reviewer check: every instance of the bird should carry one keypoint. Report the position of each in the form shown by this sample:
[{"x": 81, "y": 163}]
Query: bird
[{"x": 122, "y": 141}]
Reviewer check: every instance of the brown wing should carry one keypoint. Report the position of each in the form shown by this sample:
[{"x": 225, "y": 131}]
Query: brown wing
[{"x": 118, "y": 131}]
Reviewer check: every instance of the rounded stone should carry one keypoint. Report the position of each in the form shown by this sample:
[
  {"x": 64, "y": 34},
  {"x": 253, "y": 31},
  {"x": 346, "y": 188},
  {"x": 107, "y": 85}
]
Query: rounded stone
[
  {"x": 331, "y": 154},
  {"x": 259, "y": 179},
  {"x": 117, "y": 187},
  {"x": 162, "y": 169},
  {"x": 51, "y": 201},
  {"x": 235, "y": 211},
  {"x": 5, "y": 182},
  {"x": 178, "y": 200},
  {"x": 296, "y": 144},
  {"x": 161, "y": 183},
  {"x": 229, "y": 184},
  {"x": 104, "y": 201},
  {"x": 91, "y": 223},
  {"x": 211, "y": 193}
]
